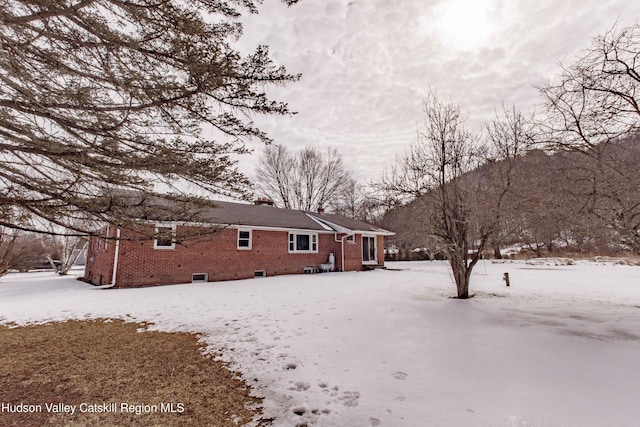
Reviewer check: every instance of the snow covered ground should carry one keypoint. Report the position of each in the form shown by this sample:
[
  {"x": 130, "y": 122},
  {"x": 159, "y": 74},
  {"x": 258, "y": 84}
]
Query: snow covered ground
[{"x": 560, "y": 347}]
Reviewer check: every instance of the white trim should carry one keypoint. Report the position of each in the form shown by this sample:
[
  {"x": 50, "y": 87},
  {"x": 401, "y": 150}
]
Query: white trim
[
  {"x": 336, "y": 227},
  {"x": 320, "y": 222},
  {"x": 173, "y": 234},
  {"x": 341, "y": 229},
  {"x": 250, "y": 238},
  {"x": 375, "y": 232},
  {"x": 290, "y": 230},
  {"x": 380, "y": 232},
  {"x": 313, "y": 240},
  {"x": 252, "y": 227}
]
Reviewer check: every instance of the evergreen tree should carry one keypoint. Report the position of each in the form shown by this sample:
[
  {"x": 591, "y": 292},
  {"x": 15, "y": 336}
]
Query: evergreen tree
[{"x": 101, "y": 96}]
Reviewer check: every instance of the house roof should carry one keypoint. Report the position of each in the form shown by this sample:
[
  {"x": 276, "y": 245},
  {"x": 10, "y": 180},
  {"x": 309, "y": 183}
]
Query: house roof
[
  {"x": 349, "y": 223},
  {"x": 164, "y": 209},
  {"x": 231, "y": 213},
  {"x": 268, "y": 216}
]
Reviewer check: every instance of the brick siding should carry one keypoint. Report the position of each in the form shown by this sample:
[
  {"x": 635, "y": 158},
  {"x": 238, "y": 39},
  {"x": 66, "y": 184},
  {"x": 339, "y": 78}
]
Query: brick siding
[
  {"x": 217, "y": 255},
  {"x": 100, "y": 254}
]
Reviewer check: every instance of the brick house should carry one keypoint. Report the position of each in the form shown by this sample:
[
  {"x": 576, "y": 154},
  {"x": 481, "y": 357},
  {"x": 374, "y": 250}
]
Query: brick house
[{"x": 240, "y": 241}]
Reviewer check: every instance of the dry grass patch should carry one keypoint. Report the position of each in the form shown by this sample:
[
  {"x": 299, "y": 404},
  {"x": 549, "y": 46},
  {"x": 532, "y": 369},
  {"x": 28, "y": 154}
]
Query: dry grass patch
[{"x": 103, "y": 362}]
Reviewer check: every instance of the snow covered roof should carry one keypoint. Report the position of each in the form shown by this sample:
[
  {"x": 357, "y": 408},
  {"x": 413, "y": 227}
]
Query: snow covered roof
[{"x": 338, "y": 222}]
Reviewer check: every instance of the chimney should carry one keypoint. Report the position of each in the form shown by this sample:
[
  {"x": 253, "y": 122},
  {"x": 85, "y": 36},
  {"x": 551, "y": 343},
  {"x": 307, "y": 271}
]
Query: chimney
[
  {"x": 320, "y": 209},
  {"x": 263, "y": 201}
]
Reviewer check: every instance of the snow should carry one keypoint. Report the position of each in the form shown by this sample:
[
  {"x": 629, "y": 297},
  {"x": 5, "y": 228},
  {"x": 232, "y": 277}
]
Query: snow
[{"x": 559, "y": 347}]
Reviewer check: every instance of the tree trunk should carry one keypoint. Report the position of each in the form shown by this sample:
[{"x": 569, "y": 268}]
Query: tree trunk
[
  {"x": 461, "y": 276},
  {"x": 52, "y": 264},
  {"x": 70, "y": 257},
  {"x": 538, "y": 251},
  {"x": 496, "y": 251}
]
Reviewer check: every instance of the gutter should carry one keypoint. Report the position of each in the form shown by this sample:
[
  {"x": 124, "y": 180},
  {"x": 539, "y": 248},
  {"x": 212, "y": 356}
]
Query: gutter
[
  {"x": 115, "y": 263},
  {"x": 335, "y": 239},
  {"x": 342, "y": 229},
  {"x": 115, "y": 258}
]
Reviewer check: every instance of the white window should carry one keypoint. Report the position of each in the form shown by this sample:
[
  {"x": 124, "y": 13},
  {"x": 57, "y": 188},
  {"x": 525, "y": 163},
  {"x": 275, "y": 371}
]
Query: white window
[
  {"x": 351, "y": 238},
  {"x": 369, "y": 250},
  {"x": 303, "y": 242},
  {"x": 244, "y": 240},
  {"x": 165, "y": 237}
]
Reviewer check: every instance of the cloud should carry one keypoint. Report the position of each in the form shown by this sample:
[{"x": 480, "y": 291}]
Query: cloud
[{"x": 368, "y": 64}]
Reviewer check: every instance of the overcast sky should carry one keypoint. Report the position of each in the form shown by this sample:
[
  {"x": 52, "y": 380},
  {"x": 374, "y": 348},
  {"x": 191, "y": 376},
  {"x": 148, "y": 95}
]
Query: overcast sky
[{"x": 368, "y": 64}]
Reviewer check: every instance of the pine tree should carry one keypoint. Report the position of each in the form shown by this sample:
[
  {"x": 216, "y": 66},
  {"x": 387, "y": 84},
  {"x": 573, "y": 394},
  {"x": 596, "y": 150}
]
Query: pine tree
[{"x": 101, "y": 96}]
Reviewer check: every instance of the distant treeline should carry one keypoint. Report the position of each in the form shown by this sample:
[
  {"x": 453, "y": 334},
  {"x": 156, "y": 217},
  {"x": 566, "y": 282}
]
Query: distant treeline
[{"x": 558, "y": 203}]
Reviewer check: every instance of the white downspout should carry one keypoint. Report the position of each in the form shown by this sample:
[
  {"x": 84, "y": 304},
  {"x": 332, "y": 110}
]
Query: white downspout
[
  {"x": 342, "y": 243},
  {"x": 335, "y": 239},
  {"x": 115, "y": 258},
  {"x": 115, "y": 263}
]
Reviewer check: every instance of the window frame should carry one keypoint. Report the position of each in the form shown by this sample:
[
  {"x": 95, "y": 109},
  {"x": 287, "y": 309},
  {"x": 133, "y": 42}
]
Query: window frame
[
  {"x": 173, "y": 237},
  {"x": 248, "y": 239},
  {"x": 292, "y": 242}
]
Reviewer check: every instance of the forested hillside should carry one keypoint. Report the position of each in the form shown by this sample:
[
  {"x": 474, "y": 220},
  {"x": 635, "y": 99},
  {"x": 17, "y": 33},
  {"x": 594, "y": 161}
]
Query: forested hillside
[{"x": 558, "y": 203}]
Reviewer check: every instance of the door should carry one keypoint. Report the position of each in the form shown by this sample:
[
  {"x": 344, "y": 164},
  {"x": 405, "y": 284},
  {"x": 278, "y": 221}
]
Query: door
[{"x": 369, "y": 249}]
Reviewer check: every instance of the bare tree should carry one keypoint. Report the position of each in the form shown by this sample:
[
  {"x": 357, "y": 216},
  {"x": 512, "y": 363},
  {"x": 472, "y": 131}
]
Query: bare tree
[
  {"x": 65, "y": 248},
  {"x": 102, "y": 95},
  {"x": 351, "y": 201},
  {"x": 460, "y": 196},
  {"x": 7, "y": 244},
  {"x": 594, "y": 106},
  {"x": 596, "y": 99},
  {"x": 509, "y": 135},
  {"x": 274, "y": 175},
  {"x": 410, "y": 241},
  {"x": 307, "y": 180},
  {"x": 19, "y": 251},
  {"x": 359, "y": 202}
]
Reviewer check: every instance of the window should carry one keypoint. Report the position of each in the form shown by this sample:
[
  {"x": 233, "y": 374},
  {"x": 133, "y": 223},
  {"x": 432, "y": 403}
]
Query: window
[
  {"x": 244, "y": 240},
  {"x": 165, "y": 237},
  {"x": 199, "y": 277},
  {"x": 303, "y": 242},
  {"x": 351, "y": 238},
  {"x": 369, "y": 250}
]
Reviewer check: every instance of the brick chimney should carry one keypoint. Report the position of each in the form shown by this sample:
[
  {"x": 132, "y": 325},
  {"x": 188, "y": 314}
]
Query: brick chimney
[{"x": 263, "y": 201}]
